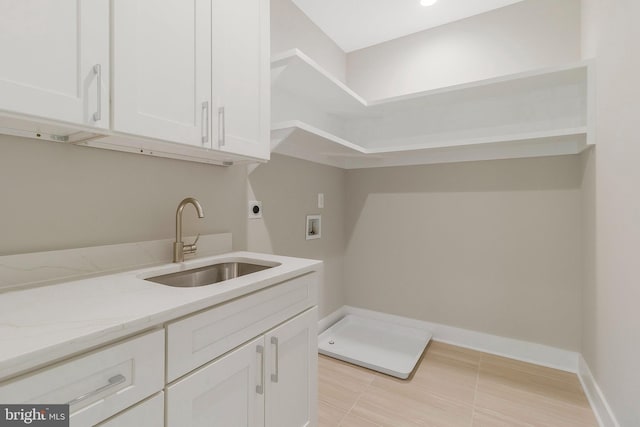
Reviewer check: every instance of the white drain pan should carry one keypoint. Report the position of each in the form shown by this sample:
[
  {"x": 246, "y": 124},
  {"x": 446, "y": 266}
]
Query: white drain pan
[{"x": 382, "y": 346}]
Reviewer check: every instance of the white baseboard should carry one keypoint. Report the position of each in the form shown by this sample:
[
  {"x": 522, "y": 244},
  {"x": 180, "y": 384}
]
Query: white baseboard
[
  {"x": 598, "y": 402},
  {"x": 508, "y": 347}
]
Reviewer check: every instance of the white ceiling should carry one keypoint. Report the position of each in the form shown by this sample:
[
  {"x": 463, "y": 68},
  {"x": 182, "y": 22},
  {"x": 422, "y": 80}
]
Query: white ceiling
[{"x": 355, "y": 24}]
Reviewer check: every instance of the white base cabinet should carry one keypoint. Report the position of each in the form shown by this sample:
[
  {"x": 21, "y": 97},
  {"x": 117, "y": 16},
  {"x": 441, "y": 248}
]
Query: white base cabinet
[
  {"x": 222, "y": 393},
  {"x": 203, "y": 337},
  {"x": 97, "y": 385},
  {"x": 250, "y": 361},
  {"x": 269, "y": 381},
  {"x": 291, "y": 391},
  {"x": 149, "y": 413}
]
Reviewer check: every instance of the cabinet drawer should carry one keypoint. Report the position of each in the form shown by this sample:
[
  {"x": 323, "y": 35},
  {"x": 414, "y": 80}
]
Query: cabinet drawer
[
  {"x": 149, "y": 413},
  {"x": 97, "y": 385},
  {"x": 196, "y": 340}
]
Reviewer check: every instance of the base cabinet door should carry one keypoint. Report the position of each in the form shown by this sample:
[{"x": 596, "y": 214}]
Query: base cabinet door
[
  {"x": 270, "y": 381},
  {"x": 291, "y": 374},
  {"x": 55, "y": 60},
  {"x": 227, "y": 392}
]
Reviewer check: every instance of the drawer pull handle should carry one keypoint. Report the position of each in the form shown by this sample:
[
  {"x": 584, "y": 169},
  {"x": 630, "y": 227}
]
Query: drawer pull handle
[
  {"x": 113, "y": 381},
  {"x": 274, "y": 377},
  {"x": 260, "y": 387}
]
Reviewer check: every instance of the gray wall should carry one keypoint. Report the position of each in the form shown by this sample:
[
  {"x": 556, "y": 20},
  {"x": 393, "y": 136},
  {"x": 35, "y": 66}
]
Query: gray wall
[
  {"x": 292, "y": 29},
  {"x": 288, "y": 189},
  {"x": 489, "y": 246},
  {"x": 611, "y": 340},
  {"x": 59, "y": 196},
  {"x": 521, "y": 37}
]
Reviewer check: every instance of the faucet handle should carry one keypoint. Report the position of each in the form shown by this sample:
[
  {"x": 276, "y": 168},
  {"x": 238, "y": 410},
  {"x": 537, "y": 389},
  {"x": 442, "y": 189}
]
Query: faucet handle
[{"x": 192, "y": 248}]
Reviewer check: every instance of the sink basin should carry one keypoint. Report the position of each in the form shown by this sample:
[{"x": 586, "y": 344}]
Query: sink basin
[{"x": 208, "y": 275}]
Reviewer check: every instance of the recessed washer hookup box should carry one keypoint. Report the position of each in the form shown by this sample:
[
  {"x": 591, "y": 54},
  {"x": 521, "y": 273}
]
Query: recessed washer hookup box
[{"x": 34, "y": 415}]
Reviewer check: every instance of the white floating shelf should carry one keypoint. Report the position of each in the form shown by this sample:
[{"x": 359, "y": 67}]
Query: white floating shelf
[
  {"x": 537, "y": 113},
  {"x": 303, "y": 141},
  {"x": 296, "y": 73},
  {"x": 331, "y": 141}
]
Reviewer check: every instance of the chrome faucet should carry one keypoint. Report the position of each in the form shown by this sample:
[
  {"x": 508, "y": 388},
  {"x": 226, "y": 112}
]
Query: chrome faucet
[{"x": 179, "y": 248}]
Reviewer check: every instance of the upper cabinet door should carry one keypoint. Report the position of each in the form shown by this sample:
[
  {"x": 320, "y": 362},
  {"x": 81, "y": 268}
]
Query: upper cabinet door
[
  {"x": 55, "y": 60},
  {"x": 162, "y": 69},
  {"x": 241, "y": 77}
]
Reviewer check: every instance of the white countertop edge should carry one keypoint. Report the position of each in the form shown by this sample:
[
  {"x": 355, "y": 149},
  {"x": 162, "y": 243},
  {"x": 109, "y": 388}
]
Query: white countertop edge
[{"x": 22, "y": 354}]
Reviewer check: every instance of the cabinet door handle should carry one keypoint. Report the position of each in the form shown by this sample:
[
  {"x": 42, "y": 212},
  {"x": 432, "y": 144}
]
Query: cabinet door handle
[
  {"x": 113, "y": 381},
  {"x": 205, "y": 122},
  {"x": 97, "y": 70},
  {"x": 274, "y": 377},
  {"x": 222, "y": 132},
  {"x": 260, "y": 387}
]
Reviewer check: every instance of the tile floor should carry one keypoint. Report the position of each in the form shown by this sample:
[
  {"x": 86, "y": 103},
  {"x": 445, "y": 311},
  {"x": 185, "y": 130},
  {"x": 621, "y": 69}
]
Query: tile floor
[{"x": 452, "y": 386}]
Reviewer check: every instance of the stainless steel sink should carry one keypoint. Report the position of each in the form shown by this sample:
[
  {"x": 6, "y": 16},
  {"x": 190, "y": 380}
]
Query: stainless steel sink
[{"x": 208, "y": 275}]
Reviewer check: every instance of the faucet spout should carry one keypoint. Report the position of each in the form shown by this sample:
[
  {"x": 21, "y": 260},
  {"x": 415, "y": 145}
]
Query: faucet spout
[{"x": 179, "y": 248}]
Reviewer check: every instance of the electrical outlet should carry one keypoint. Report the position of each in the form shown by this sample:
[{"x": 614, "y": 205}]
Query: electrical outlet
[{"x": 255, "y": 209}]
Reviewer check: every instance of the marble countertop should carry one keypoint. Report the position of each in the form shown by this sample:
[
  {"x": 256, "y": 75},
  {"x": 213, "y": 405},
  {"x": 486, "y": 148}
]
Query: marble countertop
[{"x": 41, "y": 325}]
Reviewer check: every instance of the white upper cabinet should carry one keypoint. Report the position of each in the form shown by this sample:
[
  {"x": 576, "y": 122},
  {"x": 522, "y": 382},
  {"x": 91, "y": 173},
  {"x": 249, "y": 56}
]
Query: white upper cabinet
[
  {"x": 162, "y": 69},
  {"x": 241, "y": 77},
  {"x": 55, "y": 60},
  {"x": 189, "y": 79}
]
